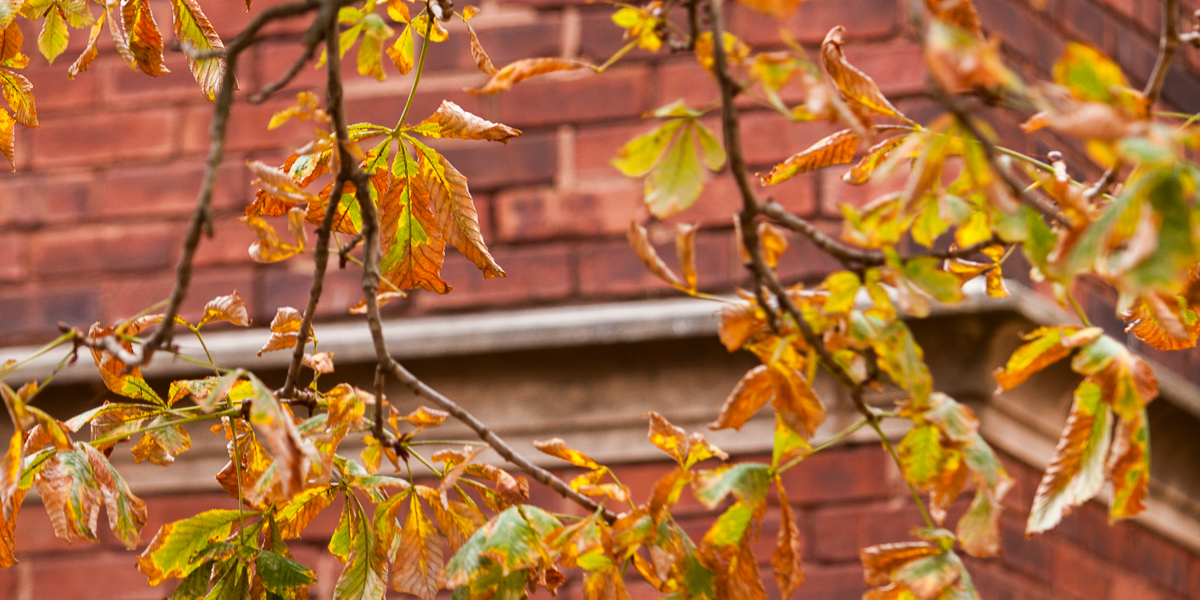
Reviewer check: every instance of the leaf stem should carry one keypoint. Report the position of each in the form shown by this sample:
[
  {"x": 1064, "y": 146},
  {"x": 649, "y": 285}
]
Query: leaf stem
[
  {"x": 10, "y": 369},
  {"x": 412, "y": 92},
  {"x": 203, "y": 417},
  {"x": 837, "y": 437},
  {"x": 1079, "y": 310},
  {"x": 891, "y": 450}
]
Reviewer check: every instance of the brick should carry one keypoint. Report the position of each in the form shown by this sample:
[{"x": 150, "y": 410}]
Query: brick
[
  {"x": 685, "y": 80},
  {"x": 597, "y": 146},
  {"x": 1084, "y": 20},
  {"x": 1182, "y": 89},
  {"x": 506, "y": 39},
  {"x": 104, "y": 575},
  {"x": 169, "y": 190},
  {"x": 1157, "y": 559},
  {"x": 720, "y": 200},
  {"x": 600, "y": 38},
  {"x": 836, "y": 581},
  {"x": 897, "y": 66},
  {"x": 1194, "y": 578},
  {"x": 855, "y": 473},
  {"x": 123, "y": 87},
  {"x": 991, "y": 581},
  {"x": 124, "y": 297},
  {"x": 1136, "y": 54},
  {"x": 803, "y": 261},
  {"x": 1075, "y": 572},
  {"x": 106, "y": 249},
  {"x": 1022, "y": 31},
  {"x": 769, "y": 138},
  {"x": 535, "y": 274},
  {"x": 1032, "y": 556},
  {"x": 46, "y": 197},
  {"x": 14, "y": 257},
  {"x": 814, "y": 19},
  {"x": 289, "y": 283},
  {"x": 611, "y": 268},
  {"x": 247, "y": 128},
  {"x": 618, "y": 92},
  {"x": 840, "y": 532},
  {"x": 52, "y": 90},
  {"x": 91, "y": 138},
  {"x": 26, "y": 312},
  {"x": 603, "y": 207},
  {"x": 531, "y": 158},
  {"x": 1125, "y": 585},
  {"x": 230, "y": 244}
]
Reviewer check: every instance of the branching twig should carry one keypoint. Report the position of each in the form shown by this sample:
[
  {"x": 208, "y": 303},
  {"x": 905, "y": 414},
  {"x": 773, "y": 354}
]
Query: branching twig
[
  {"x": 312, "y": 38},
  {"x": 328, "y": 18},
  {"x": 202, "y": 215},
  {"x": 350, "y": 171}
]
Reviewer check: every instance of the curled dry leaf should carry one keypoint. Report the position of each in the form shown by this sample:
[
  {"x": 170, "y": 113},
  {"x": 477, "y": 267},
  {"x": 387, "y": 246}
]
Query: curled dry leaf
[
  {"x": 685, "y": 248},
  {"x": 835, "y": 149},
  {"x": 451, "y": 121},
  {"x": 855, "y": 85},
  {"x": 739, "y": 321},
  {"x": 424, "y": 417},
  {"x": 752, "y": 392},
  {"x": 285, "y": 330},
  {"x": 277, "y": 183},
  {"x": 321, "y": 362},
  {"x": 959, "y": 13},
  {"x": 1087, "y": 121},
  {"x": 270, "y": 247},
  {"x": 557, "y": 448},
  {"x": 231, "y": 308},
  {"x": 481, "y": 58},
  {"x": 523, "y": 69},
  {"x": 640, "y": 241},
  {"x": 1045, "y": 346}
]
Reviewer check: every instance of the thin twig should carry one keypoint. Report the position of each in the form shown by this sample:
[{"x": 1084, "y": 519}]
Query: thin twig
[
  {"x": 202, "y": 215},
  {"x": 312, "y": 38},
  {"x": 328, "y": 17},
  {"x": 1168, "y": 42}
]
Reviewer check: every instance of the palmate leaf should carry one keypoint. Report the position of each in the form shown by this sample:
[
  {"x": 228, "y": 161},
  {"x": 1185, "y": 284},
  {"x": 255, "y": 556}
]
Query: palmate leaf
[
  {"x": 836, "y": 149},
  {"x": 72, "y": 498},
  {"x": 412, "y": 244},
  {"x": 453, "y": 208},
  {"x": 677, "y": 179},
  {"x": 923, "y": 570},
  {"x": 126, "y": 512},
  {"x": 193, "y": 29},
  {"x": 280, "y": 574}
]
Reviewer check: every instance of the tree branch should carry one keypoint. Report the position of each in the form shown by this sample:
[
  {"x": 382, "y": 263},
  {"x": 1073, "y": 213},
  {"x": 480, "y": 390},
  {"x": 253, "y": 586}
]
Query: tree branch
[
  {"x": 312, "y": 38},
  {"x": 202, "y": 215},
  {"x": 350, "y": 171}
]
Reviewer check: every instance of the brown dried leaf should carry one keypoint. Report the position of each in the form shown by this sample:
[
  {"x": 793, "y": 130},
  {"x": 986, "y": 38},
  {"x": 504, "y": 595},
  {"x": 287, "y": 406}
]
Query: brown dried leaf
[
  {"x": 321, "y": 362},
  {"x": 451, "y": 121},
  {"x": 639, "y": 239},
  {"x": 855, "y": 85},
  {"x": 785, "y": 560},
  {"x": 481, "y": 58},
  {"x": 685, "y": 248},
  {"x": 285, "y": 330},
  {"x": 231, "y": 308},
  {"x": 523, "y": 69},
  {"x": 739, "y": 322},
  {"x": 557, "y": 448}
]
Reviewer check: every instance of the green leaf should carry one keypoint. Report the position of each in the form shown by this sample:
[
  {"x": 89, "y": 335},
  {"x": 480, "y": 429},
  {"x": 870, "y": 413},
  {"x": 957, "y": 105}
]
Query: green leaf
[
  {"x": 365, "y": 575},
  {"x": 748, "y": 481},
  {"x": 281, "y": 574},
  {"x": 730, "y": 527},
  {"x": 52, "y": 41},
  {"x": 710, "y": 149},
  {"x": 926, "y": 273},
  {"x": 640, "y": 154},
  {"x": 677, "y": 180},
  {"x": 170, "y": 552},
  {"x": 1089, "y": 74}
]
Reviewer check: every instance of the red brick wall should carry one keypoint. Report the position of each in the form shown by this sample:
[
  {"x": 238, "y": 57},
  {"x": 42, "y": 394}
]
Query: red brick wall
[{"x": 844, "y": 499}]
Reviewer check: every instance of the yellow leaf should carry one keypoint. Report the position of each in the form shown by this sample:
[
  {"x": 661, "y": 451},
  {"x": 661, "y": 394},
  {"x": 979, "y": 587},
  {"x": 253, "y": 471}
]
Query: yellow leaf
[
  {"x": 557, "y": 448},
  {"x": 1046, "y": 345},
  {"x": 516, "y": 72},
  {"x": 418, "y": 568},
  {"x": 774, "y": 243},
  {"x": 861, "y": 172},
  {"x": 736, "y": 51},
  {"x": 401, "y": 50},
  {"x": 785, "y": 560},
  {"x": 270, "y": 247},
  {"x": 795, "y": 399},
  {"x": 8, "y": 138},
  {"x": 424, "y": 417},
  {"x": 19, "y": 94},
  {"x": 231, "y": 308},
  {"x": 193, "y": 29},
  {"x": 285, "y": 328},
  {"x": 685, "y": 249},
  {"x": 739, "y": 321},
  {"x": 836, "y": 149}
]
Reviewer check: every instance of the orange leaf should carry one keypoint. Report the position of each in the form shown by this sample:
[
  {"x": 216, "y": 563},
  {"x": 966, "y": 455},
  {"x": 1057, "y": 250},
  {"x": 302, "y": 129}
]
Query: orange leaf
[
  {"x": 685, "y": 248},
  {"x": 145, "y": 40},
  {"x": 785, "y": 560},
  {"x": 858, "y": 88},
  {"x": 451, "y": 121},
  {"x": 231, "y": 308},
  {"x": 640, "y": 241},
  {"x": 752, "y": 392},
  {"x": 285, "y": 330},
  {"x": 739, "y": 321},
  {"x": 481, "y": 58},
  {"x": 557, "y": 448},
  {"x": 523, "y": 69},
  {"x": 836, "y": 149},
  {"x": 418, "y": 568}
]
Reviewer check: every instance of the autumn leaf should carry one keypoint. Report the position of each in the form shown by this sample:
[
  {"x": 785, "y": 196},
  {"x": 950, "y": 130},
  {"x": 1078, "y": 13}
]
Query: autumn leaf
[
  {"x": 162, "y": 444},
  {"x": 1089, "y": 74},
  {"x": 557, "y": 448},
  {"x": 959, "y": 13},
  {"x": 193, "y": 30},
  {"x": 748, "y": 482},
  {"x": 72, "y": 498},
  {"x": 925, "y": 569},
  {"x": 739, "y": 322},
  {"x": 277, "y": 183},
  {"x": 418, "y": 567},
  {"x": 126, "y": 512},
  {"x": 171, "y": 551},
  {"x": 52, "y": 41},
  {"x": 640, "y": 24},
  {"x": 285, "y": 330},
  {"x": 1163, "y": 322},
  {"x": 413, "y": 247},
  {"x": 861, "y": 172},
  {"x": 401, "y": 51},
  {"x": 673, "y": 440},
  {"x": 1128, "y": 466},
  {"x": 1076, "y": 472},
  {"x": 18, "y": 91},
  {"x": 451, "y": 121},
  {"x": 1127, "y": 383},
  {"x": 736, "y": 51},
  {"x": 785, "y": 559},
  {"x": 855, "y": 85},
  {"x": 231, "y": 308},
  {"x": 1044, "y": 346},
  {"x": 640, "y": 241},
  {"x": 453, "y": 208},
  {"x": 836, "y": 149},
  {"x": 516, "y": 72},
  {"x": 8, "y": 138},
  {"x": 780, "y": 9},
  {"x": 270, "y": 247},
  {"x": 477, "y": 52},
  {"x": 145, "y": 40},
  {"x": 752, "y": 392},
  {"x": 364, "y": 576},
  {"x": 130, "y": 384}
]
